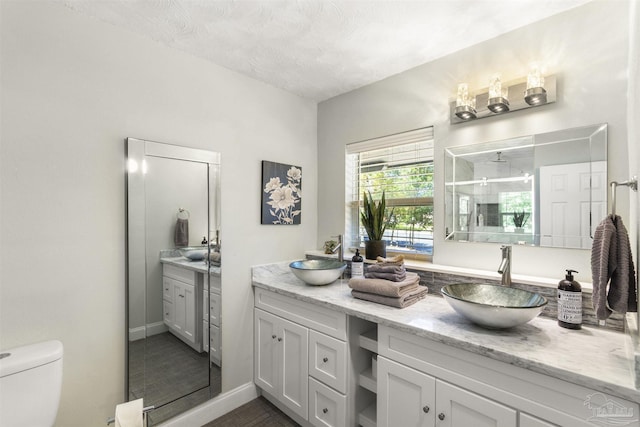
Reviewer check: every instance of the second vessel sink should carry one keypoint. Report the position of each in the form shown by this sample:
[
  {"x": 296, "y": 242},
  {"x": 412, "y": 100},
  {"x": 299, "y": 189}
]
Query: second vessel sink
[
  {"x": 194, "y": 253},
  {"x": 318, "y": 271},
  {"x": 493, "y": 306}
]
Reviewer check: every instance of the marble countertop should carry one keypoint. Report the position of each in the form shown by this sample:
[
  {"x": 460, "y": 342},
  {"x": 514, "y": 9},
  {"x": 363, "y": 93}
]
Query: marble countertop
[
  {"x": 590, "y": 357},
  {"x": 198, "y": 266}
]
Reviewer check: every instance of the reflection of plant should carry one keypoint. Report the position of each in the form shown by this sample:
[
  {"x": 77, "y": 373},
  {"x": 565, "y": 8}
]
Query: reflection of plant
[
  {"x": 284, "y": 197},
  {"x": 372, "y": 216},
  {"x": 519, "y": 218}
]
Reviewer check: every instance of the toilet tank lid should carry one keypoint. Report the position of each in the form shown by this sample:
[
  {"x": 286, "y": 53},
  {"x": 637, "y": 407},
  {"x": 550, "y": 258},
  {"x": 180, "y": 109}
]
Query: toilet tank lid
[{"x": 20, "y": 359}]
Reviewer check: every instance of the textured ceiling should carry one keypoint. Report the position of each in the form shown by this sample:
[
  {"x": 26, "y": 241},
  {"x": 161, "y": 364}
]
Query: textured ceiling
[{"x": 319, "y": 48}]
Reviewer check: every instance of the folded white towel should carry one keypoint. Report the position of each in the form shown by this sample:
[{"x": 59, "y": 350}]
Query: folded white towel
[{"x": 129, "y": 414}]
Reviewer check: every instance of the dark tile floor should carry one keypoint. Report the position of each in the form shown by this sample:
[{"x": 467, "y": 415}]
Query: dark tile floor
[
  {"x": 162, "y": 369},
  {"x": 257, "y": 413}
]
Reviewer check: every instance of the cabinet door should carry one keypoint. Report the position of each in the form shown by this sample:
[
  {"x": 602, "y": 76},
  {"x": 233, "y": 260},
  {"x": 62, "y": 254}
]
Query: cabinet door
[
  {"x": 214, "y": 308},
  {"x": 327, "y": 407},
  {"x": 167, "y": 310},
  {"x": 293, "y": 340},
  {"x": 190, "y": 313},
  {"x": 265, "y": 370},
  {"x": 405, "y": 397},
  {"x": 457, "y": 407},
  {"x": 179, "y": 307}
]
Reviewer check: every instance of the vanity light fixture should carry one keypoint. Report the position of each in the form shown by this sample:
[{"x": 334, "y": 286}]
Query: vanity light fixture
[
  {"x": 498, "y": 102},
  {"x": 465, "y": 106},
  {"x": 499, "y": 98},
  {"x": 535, "y": 93}
]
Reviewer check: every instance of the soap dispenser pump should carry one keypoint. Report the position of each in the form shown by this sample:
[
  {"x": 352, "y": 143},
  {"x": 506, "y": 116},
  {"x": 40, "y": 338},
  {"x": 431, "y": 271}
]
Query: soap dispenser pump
[{"x": 569, "y": 302}]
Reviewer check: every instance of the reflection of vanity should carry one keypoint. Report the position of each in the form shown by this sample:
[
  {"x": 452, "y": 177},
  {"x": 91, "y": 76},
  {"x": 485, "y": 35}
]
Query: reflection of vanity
[{"x": 191, "y": 304}]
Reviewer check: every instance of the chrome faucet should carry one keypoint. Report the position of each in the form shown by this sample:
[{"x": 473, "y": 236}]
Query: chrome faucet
[
  {"x": 505, "y": 265},
  {"x": 339, "y": 246}
]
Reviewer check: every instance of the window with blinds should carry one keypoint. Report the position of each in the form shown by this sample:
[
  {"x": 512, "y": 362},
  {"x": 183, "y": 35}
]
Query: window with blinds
[{"x": 401, "y": 165}]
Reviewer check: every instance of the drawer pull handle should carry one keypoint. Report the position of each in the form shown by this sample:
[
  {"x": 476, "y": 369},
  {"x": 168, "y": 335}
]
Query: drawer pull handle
[
  {"x": 426, "y": 409},
  {"x": 325, "y": 360},
  {"x": 325, "y": 410},
  {"x": 441, "y": 416}
]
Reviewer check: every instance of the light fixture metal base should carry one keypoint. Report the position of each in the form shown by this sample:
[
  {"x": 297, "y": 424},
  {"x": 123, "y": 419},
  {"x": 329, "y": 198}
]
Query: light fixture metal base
[
  {"x": 498, "y": 105},
  {"x": 465, "y": 112},
  {"x": 535, "y": 96}
]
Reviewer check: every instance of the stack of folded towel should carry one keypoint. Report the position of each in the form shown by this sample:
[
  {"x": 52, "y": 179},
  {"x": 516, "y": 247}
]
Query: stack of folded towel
[{"x": 388, "y": 282}]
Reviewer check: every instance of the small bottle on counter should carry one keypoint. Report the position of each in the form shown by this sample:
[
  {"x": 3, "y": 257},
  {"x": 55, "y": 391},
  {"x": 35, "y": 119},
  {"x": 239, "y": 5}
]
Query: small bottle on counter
[
  {"x": 357, "y": 265},
  {"x": 569, "y": 302}
]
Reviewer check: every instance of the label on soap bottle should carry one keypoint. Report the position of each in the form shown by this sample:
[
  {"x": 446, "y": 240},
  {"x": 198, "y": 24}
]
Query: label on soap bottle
[
  {"x": 570, "y": 307},
  {"x": 357, "y": 269}
]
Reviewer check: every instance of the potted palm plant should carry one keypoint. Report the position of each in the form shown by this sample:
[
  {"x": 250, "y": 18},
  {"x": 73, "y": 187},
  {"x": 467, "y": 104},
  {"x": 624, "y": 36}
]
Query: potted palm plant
[{"x": 375, "y": 223}]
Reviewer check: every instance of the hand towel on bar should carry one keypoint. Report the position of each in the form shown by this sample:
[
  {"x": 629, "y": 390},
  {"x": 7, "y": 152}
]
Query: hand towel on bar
[
  {"x": 612, "y": 264},
  {"x": 181, "y": 235},
  {"x": 385, "y": 287},
  {"x": 129, "y": 414},
  {"x": 400, "y": 302},
  {"x": 397, "y": 260}
]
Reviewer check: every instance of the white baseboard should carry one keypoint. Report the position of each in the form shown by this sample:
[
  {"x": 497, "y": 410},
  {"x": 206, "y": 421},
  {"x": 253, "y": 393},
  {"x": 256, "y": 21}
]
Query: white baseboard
[
  {"x": 214, "y": 408},
  {"x": 151, "y": 329}
]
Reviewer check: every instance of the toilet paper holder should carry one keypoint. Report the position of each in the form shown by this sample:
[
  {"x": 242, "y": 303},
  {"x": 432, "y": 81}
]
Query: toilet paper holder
[{"x": 144, "y": 415}]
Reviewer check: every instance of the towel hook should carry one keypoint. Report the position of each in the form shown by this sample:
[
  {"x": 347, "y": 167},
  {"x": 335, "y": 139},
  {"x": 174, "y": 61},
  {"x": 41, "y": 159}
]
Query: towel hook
[
  {"x": 183, "y": 213},
  {"x": 632, "y": 183}
]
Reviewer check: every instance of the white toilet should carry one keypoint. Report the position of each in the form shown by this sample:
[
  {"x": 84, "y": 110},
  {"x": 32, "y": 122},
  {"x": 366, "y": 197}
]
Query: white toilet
[{"x": 30, "y": 384}]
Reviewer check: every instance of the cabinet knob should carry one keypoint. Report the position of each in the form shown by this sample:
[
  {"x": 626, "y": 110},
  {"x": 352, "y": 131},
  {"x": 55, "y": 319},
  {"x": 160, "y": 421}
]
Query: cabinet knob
[
  {"x": 426, "y": 409},
  {"x": 279, "y": 339},
  {"x": 325, "y": 359},
  {"x": 325, "y": 410},
  {"x": 273, "y": 336},
  {"x": 441, "y": 416}
]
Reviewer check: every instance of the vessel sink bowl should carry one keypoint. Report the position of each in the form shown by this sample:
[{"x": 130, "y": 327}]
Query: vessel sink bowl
[
  {"x": 194, "y": 253},
  {"x": 318, "y": 271},
  {"x": 493, "y": 306}
]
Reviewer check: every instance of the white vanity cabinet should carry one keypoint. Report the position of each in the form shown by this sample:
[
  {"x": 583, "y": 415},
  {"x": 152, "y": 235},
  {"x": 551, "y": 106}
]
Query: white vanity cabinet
[
  {"x": 300, "y": 359},
  {"x": 181, "y": 303},
  {"x": 407, "y": 397},
  {"x": 422, "y": 382}
]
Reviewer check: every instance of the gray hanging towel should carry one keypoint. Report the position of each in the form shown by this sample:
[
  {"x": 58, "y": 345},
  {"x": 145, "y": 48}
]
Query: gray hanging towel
[
  {"x": 181, "y": 236},
  {"x": 612, "y": 265}
]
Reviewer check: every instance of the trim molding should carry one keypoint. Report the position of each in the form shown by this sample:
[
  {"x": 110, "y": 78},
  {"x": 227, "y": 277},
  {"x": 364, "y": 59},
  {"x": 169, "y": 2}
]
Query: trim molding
[{"x": 214, "y": 408}]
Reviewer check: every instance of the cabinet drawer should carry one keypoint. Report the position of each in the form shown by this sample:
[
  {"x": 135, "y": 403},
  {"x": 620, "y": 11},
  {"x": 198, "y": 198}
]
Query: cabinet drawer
[
  {"x": 205, "y": 336},
  {"x": 328, "y": 360},
  {"x": 321, "y": 319},
  {"x": 215, "y": 353},
  {"x": 167, "y": 289},
  {"x": 327, "y": 407},
  {"x": 214, "y": 308},
  {"x": 215, "y": 283},
  {"x": 182, "y": 274}
]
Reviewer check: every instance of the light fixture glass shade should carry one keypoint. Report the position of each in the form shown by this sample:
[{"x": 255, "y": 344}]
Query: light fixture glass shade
[
  {"x": 535, "y": 93},
  {"x": 498, "y": 102},
  {"x": 465, "y": 106}
]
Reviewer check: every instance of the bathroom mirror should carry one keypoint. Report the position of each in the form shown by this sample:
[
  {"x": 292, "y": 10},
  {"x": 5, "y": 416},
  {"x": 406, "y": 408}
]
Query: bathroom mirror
[
  {"x": 174, "y": 269},
  {"x": 548, "y": 189}
]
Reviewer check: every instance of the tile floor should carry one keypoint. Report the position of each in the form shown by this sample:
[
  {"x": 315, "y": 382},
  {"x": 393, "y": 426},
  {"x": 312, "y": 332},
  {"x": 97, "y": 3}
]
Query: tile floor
[{"x": 257, "y": 413}]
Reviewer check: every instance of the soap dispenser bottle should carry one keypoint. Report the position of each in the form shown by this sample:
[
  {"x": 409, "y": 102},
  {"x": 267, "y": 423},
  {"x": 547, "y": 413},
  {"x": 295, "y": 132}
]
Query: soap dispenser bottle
[
  {"x": 357, "y": 265},
  {"x": 569, "y": 302}
]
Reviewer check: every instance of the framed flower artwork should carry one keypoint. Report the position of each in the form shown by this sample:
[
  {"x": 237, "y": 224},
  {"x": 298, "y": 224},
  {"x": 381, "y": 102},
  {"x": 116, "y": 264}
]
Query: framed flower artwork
[{"x": 281, "y": 193}]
